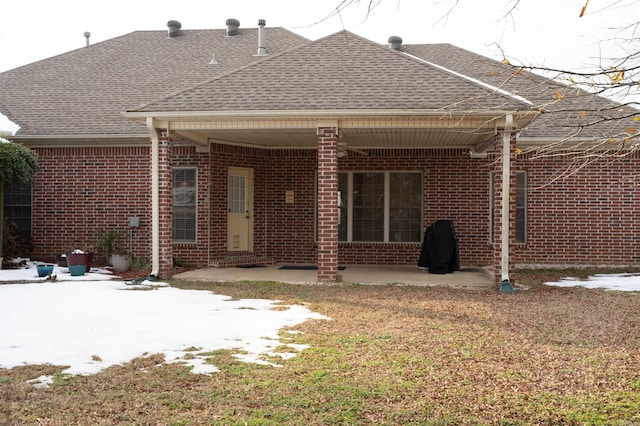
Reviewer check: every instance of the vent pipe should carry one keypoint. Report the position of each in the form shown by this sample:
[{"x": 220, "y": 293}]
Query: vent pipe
[
  {"x": 262, "y": 50},
  {"x": 395, "y": 42},
  {"x": 232, "y": 26},
  {"x": 87, "y": 35},
  {"x": 174, "y": 28}
]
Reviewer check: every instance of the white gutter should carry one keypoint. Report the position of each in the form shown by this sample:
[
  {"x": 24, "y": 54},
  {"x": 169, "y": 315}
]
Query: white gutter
[
  {"x": 506, "y": 189},
  {"x": 316, "y": 114},
  {"x": 155, "y": 198},
  {"x": 473, "y": 80}
]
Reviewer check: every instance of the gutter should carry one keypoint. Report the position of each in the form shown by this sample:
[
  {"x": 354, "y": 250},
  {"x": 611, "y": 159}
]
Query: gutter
[{"x": 318, "y": 114}]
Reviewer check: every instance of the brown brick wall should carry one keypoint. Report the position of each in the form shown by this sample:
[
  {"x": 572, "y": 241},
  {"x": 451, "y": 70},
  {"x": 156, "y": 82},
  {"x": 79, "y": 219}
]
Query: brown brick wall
[
  {"x": 80, "y": 192},
  {"x": 290, "y": 227},
  {"x": 588, "y": 218}
]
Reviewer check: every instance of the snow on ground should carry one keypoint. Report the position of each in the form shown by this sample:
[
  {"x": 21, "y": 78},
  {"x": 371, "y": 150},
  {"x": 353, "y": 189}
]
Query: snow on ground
[
  {"x": 92, "y": 322},
  {"x": 618, "y": 282}
]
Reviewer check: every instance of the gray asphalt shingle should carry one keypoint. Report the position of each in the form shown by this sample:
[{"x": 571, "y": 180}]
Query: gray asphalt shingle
[
  {"x": 339, "y": 72},
  {"x": 85, "y": 91}
]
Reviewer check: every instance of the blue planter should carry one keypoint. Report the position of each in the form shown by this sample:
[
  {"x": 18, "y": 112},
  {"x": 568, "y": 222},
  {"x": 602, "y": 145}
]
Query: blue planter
[
  {"x": 44, "y": 270},
  {"x": 77, "y": 270}
]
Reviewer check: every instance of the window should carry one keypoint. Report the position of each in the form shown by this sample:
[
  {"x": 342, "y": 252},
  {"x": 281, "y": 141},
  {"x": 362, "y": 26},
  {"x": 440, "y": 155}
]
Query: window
[
  {"x": 380, "y": 206},
  {"x": 521, "y": 206},
  {"x": 184, "y": 205},
  {"x": 17, "y": 207}
]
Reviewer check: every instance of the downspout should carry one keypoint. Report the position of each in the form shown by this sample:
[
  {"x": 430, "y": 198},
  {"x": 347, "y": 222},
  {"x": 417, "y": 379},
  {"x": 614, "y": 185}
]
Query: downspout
[
  {"x": 155, "y": 199},
  {"x": 506, "y": 190},
  {"x": 209, "y": 207}
]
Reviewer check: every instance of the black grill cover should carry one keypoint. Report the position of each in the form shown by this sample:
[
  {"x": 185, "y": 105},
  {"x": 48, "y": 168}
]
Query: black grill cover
[{"x": 440, "y": 248}]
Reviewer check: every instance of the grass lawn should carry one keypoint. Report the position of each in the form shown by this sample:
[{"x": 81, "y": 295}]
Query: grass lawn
[{"x": 389, "y": 355}]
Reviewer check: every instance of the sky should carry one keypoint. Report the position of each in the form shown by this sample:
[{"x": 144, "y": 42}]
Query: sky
[
  {"x": 93, "y": 321},
  {"x": 537, "y": 32}
]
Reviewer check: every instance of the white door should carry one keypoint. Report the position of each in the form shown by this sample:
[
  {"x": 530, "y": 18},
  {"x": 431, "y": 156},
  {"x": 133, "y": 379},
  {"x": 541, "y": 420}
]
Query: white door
[{"x": 240, "y": 209}]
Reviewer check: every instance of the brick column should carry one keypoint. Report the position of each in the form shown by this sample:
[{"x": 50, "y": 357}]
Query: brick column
[
  {"x": 165, "y": 200},
  {"x": 497, "y": 210},
  {"x": 328, "y": 204}
]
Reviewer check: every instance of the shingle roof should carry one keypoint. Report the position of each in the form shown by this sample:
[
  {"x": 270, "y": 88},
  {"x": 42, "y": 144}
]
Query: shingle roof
[
  {"x": 560, "y": 118},
  {"x": 84, "y": 92},
  {"x": 340, "y": 72}
]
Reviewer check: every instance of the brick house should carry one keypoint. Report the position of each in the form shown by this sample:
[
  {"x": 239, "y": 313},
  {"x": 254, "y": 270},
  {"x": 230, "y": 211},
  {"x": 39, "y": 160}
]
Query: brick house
[{"x": 237, "y": 146}]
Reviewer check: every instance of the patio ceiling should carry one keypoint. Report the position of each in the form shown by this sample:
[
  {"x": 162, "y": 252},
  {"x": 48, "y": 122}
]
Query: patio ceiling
[
  {"x": 356, "y": 138},
  {"x": 377, "y": 131}
]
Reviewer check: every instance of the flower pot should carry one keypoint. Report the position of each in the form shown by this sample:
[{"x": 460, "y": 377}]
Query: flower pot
[
  {"x": 77, "y": 270},
  {"x": 80, "y": 259},
  {"x": 62, "y": 260},
  {"x": 120, "y": 262},
  {"x": 44, "y": 270}
]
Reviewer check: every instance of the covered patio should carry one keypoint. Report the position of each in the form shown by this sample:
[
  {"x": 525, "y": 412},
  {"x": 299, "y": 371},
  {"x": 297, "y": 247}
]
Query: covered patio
[
  {"x": 467, "y": 278},
  {"x": 269, "y": 162}
]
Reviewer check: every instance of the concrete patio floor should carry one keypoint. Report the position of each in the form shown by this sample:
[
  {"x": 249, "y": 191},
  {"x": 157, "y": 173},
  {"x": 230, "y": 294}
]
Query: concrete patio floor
[{"x": 468, "y": 277}]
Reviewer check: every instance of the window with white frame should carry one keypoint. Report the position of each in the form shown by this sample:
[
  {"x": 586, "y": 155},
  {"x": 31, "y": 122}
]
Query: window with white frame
[
  {"x": 380, "y": 206},
  {"x": 521, "y": 206},
  {"x": 184, "y": 204}
]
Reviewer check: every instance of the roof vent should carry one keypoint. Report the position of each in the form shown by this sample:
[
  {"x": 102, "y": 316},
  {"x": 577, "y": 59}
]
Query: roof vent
[
  {"x": 87, "y": 35},
  {"x": 174, "y": 28},
  {"x": 395, "y": 42},
  {"x": 232, "y": 26},
  {"x": 262, "y": 50}
]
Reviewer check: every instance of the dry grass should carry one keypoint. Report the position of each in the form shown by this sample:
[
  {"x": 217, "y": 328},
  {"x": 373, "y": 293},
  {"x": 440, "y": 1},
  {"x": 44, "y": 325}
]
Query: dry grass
[{"x": 389, "y": 355}]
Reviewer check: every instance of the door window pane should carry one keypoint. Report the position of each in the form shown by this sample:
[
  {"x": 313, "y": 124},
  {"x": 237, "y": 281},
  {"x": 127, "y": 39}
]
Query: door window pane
[{"x": 237, "y": 194}]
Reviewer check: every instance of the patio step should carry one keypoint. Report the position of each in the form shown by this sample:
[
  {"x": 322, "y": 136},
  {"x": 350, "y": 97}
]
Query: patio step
[{"x": 232, "y": 261}]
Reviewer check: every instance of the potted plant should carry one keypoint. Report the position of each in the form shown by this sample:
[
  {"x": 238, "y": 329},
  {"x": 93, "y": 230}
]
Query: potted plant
[
  {"x": 108, "y": 241},
  {"x": 115, "y": 255},
  {"x": 120, "y": 261}
]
